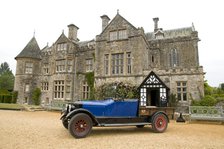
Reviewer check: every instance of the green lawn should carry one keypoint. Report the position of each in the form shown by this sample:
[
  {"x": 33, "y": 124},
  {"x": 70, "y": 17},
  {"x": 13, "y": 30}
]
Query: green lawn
[{"x": 7, "y": 106}]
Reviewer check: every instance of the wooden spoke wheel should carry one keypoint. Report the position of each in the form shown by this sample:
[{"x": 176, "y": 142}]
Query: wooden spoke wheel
[
  {"x": 159, "y": 123},
  {"x": 80, "y": 125}
]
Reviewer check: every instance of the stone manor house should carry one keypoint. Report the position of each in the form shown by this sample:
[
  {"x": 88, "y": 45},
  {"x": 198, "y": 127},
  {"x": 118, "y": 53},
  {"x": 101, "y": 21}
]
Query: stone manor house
[{"x": 120, "y": 53}]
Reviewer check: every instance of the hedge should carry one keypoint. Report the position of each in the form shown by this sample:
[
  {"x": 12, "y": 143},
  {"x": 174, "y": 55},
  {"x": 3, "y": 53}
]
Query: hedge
[{"x": 8, "y": 98}]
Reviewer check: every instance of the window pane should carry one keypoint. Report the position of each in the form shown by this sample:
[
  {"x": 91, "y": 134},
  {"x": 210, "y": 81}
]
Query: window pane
[
  {"x": 182, "y": 91},
  {"x": 122, "y": 34},
  {"x": 89, "y": 65},
  {"x": 184, "y": 96},
  {"x": 60, "y": 66},
  {"x": 28, "y": 68},
  {"x": 179, "y": 96},
  {"x": 113, "y": 35},
  {"x": 85, "y": 91},
  {"x": 58, "y": 89},
  {"x": 117, "y": 63}
]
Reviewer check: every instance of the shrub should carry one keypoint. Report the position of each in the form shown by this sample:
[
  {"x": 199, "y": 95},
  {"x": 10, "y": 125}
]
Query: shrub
[
  {"x": 117, "y": 90},
  {"x": 173, "y": 100},
  {"x": 206, "y": 101},
  {"x": 5, "y": 98},
  {"x": 195, "y": 103},
  {"x": 36, "y": 96},
  {"x": 14, "y": 96}
]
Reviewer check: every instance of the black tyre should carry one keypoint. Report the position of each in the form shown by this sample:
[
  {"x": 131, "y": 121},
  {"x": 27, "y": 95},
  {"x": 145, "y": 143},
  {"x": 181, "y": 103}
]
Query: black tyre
[
  {"x": 159, "y": 123},
  {"x": 140, "y": 126},
  {"x": 65, "y": 123},
  {"x": 80, "y": 125}
]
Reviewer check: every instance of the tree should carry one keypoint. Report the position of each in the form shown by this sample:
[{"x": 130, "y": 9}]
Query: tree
[
  {"x": 6, "y": 77},
  {"x": 4, "y": 68},
  {"x": 222, "y": 86},
  {"x": 208, "y": 89}
]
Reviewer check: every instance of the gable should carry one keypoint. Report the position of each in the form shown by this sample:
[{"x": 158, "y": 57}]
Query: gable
[
  {"x": 153, "y": 92},
  {"x": 152, "y": 80},
  {"x": 119, "y": 23},
  {"x": 62, "y": 39}
]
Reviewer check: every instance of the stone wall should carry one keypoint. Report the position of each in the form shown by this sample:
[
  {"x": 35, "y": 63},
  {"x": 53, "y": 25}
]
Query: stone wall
[
  {"x": 22, "y": 79},
  {"x": 147, "y": 54}
]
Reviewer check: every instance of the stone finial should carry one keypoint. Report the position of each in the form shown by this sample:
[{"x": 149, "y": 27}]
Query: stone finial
[
  {"x": 34, "y": 33},
  {"x": 193, "y": 28}
]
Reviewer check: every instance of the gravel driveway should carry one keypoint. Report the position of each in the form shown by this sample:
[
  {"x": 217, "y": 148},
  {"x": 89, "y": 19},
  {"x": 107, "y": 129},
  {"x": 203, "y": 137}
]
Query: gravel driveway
[{"x": 43, "y": 130}]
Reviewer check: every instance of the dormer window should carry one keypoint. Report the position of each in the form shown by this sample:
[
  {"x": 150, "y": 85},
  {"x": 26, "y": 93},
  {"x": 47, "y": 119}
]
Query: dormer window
[
  {"x": 116, "y": 35},
  {"x": 159, "y": 34},
  {"x": 62, "y": 47}
]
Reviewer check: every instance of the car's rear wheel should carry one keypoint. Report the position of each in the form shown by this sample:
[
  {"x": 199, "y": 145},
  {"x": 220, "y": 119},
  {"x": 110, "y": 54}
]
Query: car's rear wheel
[
  {"x": 159, "y": 123},
  {"x": 80, "y": 125}
]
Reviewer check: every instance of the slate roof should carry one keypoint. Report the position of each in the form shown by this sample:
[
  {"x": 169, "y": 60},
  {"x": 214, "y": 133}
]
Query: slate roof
[
  {"x": 85, "y": 43},
  {"x": 62, "y": 39},
  {"x": 31, "y": 50},
  {"x": 174, "y": 33}
]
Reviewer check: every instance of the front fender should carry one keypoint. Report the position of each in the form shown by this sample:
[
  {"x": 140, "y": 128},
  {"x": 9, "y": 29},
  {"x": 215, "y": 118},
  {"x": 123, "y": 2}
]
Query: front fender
[
  {"x": 80, "y": 110},
  {"x": 159, "y": 112}
]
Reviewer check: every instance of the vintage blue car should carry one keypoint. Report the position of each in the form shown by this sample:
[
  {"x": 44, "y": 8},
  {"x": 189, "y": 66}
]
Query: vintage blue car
[{"x": 79, "y": 117}]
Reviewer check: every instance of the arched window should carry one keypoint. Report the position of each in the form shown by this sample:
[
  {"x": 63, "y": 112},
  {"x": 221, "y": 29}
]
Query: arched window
[{"x": 174, "y": 59}]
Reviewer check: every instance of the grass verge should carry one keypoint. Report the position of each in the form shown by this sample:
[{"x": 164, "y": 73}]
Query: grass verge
[{"x": 7, "y": 106}]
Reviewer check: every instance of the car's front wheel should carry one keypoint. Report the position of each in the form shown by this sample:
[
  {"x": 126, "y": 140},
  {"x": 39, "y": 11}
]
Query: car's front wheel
[{"x": 80, "y": 125}]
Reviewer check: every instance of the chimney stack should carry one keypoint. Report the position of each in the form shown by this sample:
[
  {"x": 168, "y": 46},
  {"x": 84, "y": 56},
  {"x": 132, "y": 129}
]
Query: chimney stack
[
  {"x": 72, "y": 32},
  {"x": 105, "y": 21},
  {"x": 155, "y": 24}
]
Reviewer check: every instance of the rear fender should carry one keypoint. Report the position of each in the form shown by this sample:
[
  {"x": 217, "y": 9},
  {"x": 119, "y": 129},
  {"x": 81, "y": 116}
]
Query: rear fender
[
  {"x": 158, "y": 112},
  {"x": 76, "y": 111}
]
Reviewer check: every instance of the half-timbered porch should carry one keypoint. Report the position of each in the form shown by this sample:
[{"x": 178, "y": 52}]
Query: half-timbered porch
[{"x": 153, "y": 91}]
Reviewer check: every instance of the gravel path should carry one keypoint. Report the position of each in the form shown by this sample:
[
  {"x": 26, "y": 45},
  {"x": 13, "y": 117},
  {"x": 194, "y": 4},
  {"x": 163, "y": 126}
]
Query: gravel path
[{"x": 43, "y": 130}]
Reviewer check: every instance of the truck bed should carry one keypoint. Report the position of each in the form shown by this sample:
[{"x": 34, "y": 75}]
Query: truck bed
[{"x": 149, "y": 110}]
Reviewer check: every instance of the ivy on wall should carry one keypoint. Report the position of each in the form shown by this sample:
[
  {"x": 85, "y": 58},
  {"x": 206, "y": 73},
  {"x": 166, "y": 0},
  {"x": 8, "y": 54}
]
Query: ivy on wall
[{"x": 89, "y": 76}]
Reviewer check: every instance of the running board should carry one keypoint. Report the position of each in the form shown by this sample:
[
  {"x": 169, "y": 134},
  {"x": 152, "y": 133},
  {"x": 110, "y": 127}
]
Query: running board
[{"x": 124, "y": 124}]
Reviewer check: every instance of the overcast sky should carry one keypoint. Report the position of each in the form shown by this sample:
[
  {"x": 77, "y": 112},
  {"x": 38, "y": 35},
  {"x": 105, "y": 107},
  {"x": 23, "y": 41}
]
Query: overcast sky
[{"x": 48, "y": 18}]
